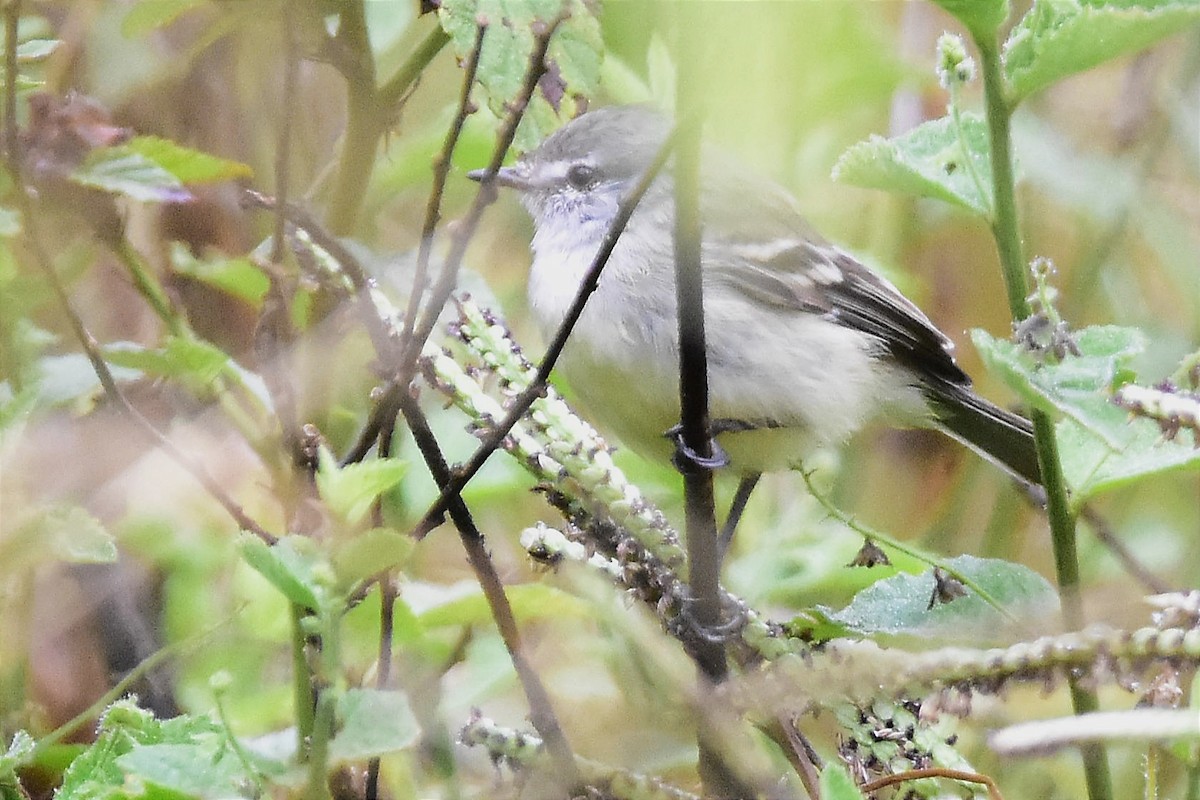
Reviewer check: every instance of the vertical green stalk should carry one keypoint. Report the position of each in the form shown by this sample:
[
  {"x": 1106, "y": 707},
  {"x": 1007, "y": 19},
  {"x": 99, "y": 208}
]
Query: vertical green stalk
[
  {"x": 302, "y": 697},
  {"x": 1006, "y": 231}
]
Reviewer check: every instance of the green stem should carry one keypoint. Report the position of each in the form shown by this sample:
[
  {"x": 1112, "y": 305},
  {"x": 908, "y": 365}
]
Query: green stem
[
  {"x": 1007, "y": 234},
  {"x": 318, "y": 751},
  {"x": 398, "y": 85},
  {"x": 1004, "y": 209},
  {"x": 301, "y": 683},
  {"x": 368, "y": 111},
  {"x": 960, "y": 133},
  {"x": 902, "y": 547}
]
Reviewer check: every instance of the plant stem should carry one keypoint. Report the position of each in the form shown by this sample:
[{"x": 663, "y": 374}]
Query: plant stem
[
  {"x": 367, "y": 113},
  {"x": 302, "y": 697},
  {"x": 1007, "y": 234}
]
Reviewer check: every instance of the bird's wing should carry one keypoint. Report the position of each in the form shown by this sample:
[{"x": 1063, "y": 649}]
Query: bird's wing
[{"x": 762, "y": 247}]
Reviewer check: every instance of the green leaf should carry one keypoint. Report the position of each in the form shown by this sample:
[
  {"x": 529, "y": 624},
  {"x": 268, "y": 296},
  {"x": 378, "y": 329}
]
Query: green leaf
[
  {"x": 186, "y": 164},
  {"x": 574, "y": 56},
  {"x": 981, "y": 17},
  {"x": 349, "y": 491},
  {"x": 928, "y": 161},
  {"x": 1078, "y": 387},
  {"x": 194, "y": 769},
  {"x": 20, "y": 750},
  {"x": 149, "y": 15},
  {"x": 197, "y": 362},
  {"x": 101, "y": 770},
  {"x": 291, "y": 565},
  {"x": 1091, "y": 466},
  {"x": 151, "y": 169},
  {"x": 236, "y": 276},
  {"x": 61, "y": 533},
  {"x": 370, "y": 552},
  {"x": 899, "y": 605},
  {"x": 120, "y": 171},
  {"x": 836, "y": 783},
  {"x": 372, "y": 723},
  {"x": 1057, "y": 38}
]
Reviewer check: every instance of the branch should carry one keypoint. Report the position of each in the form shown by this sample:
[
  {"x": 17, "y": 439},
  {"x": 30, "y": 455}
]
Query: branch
[
  {"x": 441, "y": 169},
  {"x": 541, "y": 711}
]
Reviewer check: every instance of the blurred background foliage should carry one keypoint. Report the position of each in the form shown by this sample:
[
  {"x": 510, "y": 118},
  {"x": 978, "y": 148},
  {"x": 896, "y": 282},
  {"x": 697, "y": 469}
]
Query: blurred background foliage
[{"x": 1109, "y": 163}]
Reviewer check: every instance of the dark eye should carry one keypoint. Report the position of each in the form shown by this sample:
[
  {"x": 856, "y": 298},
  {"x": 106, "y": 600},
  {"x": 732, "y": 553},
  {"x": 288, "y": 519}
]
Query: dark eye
[{"x": 581, "y": 176}]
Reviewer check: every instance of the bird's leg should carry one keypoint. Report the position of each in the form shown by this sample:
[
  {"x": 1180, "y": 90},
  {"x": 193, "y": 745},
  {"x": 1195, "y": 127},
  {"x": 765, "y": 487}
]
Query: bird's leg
[
  {"x": 687, "y": 460},
  {"x": 740, "y": 498}
]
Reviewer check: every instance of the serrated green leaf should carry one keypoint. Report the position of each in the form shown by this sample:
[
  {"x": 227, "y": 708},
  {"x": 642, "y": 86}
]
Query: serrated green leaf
[
  {"x": 20, "y": 750},
  {"x": 574, "y": 56},
  {"x": 290, "y": 565},
  {"x": 1078, "y": 387},
  {"x": 198, "y": 770},
  {"x": 899, "y": 605},
  {"x": 1092, "y": 467},
  {"x": 1057, "y": 38},
  {"x": 124, "y": 727},
  {"x": 149, "y": 15},
  {"x": 981, "y": 17},
  {"x": 369, "y": 552},
  {"x": 186, "y": 164},
  {"x": 61, "y": 533},
  {"x": 836, "y": 783},
  {"x": 372, "y": 723},
  {"x": 928, "y": 161},
  {"x": 349, "y": 491}
]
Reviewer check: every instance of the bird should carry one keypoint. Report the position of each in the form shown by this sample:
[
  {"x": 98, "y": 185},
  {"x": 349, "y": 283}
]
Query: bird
[{"x": 805, "y": 344}]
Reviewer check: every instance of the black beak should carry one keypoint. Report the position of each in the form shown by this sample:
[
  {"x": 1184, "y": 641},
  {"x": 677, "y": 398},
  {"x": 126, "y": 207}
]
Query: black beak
[{"x": 515, "y": 177}]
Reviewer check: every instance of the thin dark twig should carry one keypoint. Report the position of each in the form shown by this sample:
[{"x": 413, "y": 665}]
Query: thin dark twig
[
  {"x": 373, "y": 320},
  {"x": 464, "y": 231},
  {"x": 283, "y": 150},
  {"x": 441, "y": 170},
  {"x": 1108, "y": 537},
  {"x": 92, "y": 350},
  {"x": 935, "y": 772},
  {"x": 536, "y": 387},
  {"x": 801, "y": 756},
  {"x": 387, "y": 615},
  {"x": 541, "y": 711},
  {"x": 12, "y": 18},
  {"x": 487, "y": 193}
]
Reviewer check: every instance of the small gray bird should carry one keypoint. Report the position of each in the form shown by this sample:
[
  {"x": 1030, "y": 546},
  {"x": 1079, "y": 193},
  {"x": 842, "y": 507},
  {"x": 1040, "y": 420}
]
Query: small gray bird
[{"x": 805, "y": 343}]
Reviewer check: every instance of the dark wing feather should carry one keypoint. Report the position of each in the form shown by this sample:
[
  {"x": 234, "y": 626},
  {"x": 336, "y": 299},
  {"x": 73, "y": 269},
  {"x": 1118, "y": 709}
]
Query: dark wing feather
[{"x": 775, "y": 257}]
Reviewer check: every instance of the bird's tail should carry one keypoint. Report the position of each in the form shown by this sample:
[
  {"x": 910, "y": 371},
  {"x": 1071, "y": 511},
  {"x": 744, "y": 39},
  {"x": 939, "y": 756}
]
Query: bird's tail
[{"x": 999, "y": 436}]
